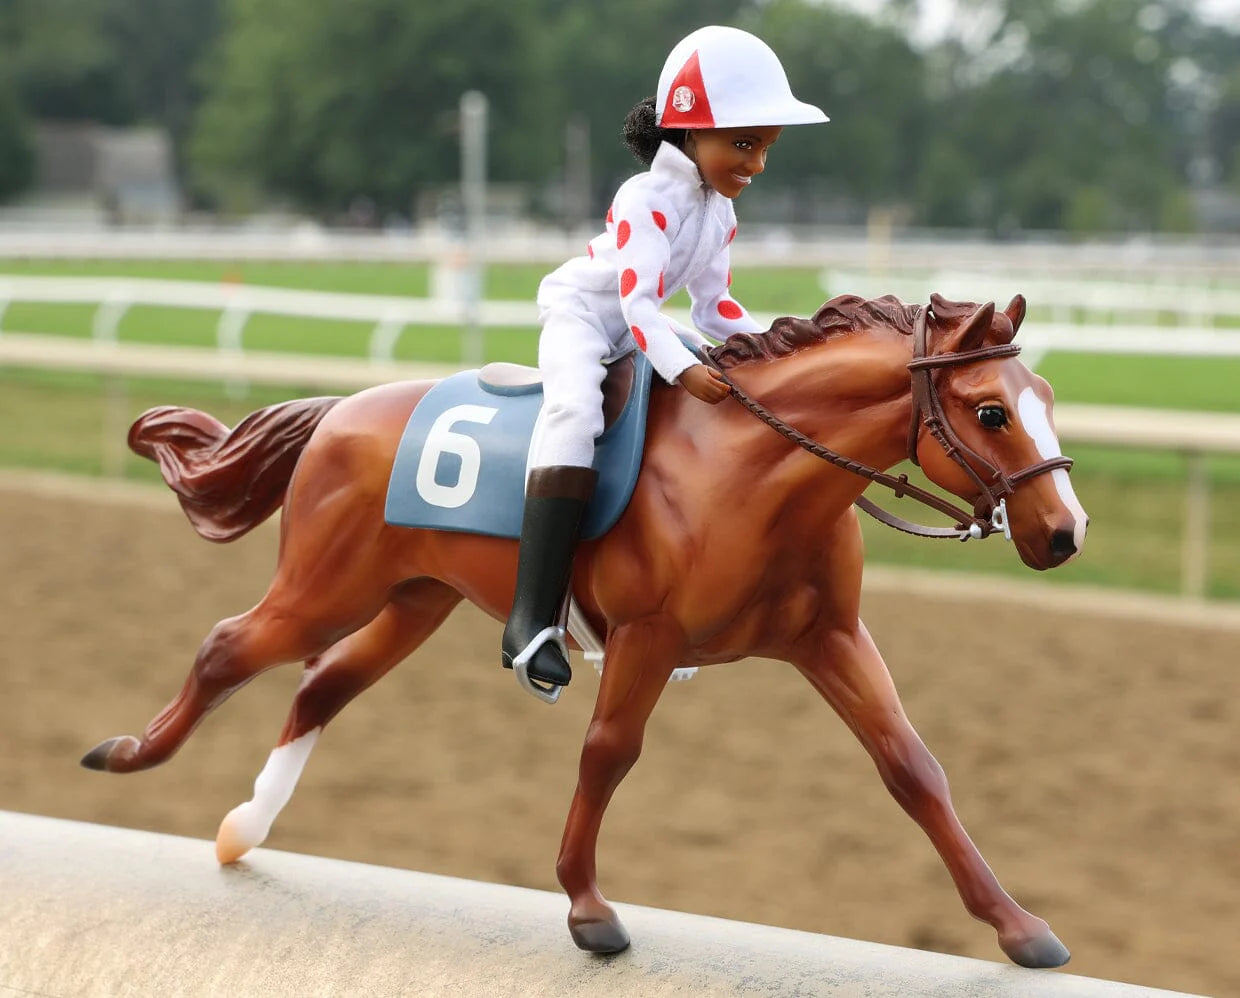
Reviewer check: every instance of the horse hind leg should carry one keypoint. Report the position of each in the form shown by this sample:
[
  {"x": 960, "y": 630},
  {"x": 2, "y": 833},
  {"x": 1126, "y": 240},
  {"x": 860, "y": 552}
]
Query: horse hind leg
[
  {"x": 280, "y": 629},
  {"x": 330, "y": 681}
]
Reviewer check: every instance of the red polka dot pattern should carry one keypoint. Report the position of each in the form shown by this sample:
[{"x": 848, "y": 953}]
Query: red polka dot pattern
[
  {"x": 639, "y": 336},
  {"x": 729, "y": 309},
  {"x": 660, "y": 284},
  {"x": 729, "y": 278},
  {"x": 732, "y": 234},
  {"x": 628, "y": 281},
  {"x": 590, "y": 250},
  {"x": 622, "y": 234},
  {"x": 610, "y": 218},
  {"x": 659, "y": 219}
]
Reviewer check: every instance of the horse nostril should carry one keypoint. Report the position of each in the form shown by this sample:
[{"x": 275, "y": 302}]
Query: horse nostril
[{"x": 1063, "y": 544}]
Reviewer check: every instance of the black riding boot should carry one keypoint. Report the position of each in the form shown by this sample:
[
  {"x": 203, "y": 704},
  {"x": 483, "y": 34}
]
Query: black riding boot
[{"x": 555, "y": 500}]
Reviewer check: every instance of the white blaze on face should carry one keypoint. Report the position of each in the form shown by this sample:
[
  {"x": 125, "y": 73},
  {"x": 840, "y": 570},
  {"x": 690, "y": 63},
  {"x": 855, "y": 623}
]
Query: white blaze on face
[{"x": 1032, "y": 412}]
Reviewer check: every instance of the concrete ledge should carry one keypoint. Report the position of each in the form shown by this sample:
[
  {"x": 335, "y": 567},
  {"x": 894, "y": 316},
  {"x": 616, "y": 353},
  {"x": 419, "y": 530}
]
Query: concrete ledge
[{"x": 94, "y": 910}]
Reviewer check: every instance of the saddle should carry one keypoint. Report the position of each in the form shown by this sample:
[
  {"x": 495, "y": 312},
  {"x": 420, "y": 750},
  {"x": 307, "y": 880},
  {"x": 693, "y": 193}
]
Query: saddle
[{"x": 461, "y": 461}]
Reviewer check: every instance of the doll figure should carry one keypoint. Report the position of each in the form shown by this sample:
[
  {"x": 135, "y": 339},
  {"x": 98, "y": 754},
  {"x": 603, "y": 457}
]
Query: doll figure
[{"x": 722, "y": 101}]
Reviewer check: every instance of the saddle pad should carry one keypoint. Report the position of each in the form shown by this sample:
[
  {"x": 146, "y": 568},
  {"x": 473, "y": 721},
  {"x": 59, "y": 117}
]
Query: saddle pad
[{"x": 461, "y": 460}]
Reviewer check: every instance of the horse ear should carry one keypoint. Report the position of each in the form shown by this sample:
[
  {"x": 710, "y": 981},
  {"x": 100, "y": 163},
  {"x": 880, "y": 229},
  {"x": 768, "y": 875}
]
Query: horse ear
[
  {"x": 971, "y": 333},
  {"x": 1016, "y": 315}
]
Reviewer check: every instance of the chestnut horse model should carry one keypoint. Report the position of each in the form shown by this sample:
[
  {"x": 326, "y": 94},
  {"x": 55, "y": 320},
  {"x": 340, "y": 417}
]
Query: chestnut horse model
[{"x": 675, "y": 582}]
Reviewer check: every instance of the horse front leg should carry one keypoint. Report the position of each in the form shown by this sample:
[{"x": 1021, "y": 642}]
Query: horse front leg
[
  {"x": 640, "y": 658},
  {"x": 848, "y": 671}
]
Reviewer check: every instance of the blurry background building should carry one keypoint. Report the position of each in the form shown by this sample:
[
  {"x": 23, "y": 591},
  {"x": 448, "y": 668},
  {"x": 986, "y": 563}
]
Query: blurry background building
[{"x": 117, "y": 176}]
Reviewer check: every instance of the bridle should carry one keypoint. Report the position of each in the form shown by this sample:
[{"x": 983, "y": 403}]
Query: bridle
[{"x": 994, "y": 486}]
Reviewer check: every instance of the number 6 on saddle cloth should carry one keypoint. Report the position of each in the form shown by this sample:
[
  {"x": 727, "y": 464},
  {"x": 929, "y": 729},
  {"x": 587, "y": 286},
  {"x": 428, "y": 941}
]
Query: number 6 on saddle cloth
[{"x": 461, "y": 461}]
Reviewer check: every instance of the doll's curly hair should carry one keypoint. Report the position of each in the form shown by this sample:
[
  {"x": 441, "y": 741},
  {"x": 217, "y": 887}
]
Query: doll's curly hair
[{"x": 643, "y": 136}]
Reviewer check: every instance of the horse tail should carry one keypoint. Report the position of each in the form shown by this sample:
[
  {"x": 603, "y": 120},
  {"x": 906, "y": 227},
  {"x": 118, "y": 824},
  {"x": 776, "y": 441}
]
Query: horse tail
[{"x": 228, "y": 481}]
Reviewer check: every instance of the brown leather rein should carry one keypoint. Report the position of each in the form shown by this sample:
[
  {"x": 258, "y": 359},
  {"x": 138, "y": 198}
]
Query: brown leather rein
[{"x": 989, "y": 511}]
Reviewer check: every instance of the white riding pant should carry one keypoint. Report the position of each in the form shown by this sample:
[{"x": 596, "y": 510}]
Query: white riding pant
[{"x": 573, "y": 353}]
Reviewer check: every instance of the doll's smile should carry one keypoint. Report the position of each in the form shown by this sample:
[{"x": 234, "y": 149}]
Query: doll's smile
[{"x": 729, "y": 158}]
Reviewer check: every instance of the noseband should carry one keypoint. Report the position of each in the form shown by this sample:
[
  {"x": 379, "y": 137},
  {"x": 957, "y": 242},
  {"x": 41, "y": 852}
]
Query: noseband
[{"x": 994, "y": 486}]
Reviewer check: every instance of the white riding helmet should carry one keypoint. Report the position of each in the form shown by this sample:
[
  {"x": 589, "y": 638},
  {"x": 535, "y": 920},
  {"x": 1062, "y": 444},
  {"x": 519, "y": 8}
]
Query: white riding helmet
[{"x": 719, "y": 77}]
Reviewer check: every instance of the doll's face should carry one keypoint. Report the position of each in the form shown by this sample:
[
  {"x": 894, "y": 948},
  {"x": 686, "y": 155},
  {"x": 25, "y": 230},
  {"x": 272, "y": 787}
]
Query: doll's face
[{"x": 729, "y": 158}]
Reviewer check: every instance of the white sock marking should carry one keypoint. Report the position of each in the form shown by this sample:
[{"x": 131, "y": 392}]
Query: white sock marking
[
  {"x": 274, "y": 786},
  {"x": 1032, "y": 412}
]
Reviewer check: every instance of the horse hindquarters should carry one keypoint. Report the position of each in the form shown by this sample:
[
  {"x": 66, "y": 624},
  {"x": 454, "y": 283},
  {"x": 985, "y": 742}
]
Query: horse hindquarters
[{"x": 330, "y": 581}]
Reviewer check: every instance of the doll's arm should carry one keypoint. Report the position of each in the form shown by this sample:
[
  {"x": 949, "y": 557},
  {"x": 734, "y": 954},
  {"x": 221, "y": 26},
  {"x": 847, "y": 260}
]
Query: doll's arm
[
  {"x": 643, "y": 254},
  {"x": 690, "y": 335},
  {"x": 715, "y": 311}
]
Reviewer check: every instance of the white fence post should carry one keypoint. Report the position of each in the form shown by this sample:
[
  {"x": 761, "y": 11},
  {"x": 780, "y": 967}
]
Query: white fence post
[
  {"x": 105, "y": 326},
  {"x": 383, "y": 338},
  {"x": 228, "y": 333},
  {"x": 474, "y": 202}
]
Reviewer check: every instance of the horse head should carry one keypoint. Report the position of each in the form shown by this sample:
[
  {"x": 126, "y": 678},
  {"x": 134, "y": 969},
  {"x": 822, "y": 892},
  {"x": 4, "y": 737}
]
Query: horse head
[{"x": 986, "y": 431}]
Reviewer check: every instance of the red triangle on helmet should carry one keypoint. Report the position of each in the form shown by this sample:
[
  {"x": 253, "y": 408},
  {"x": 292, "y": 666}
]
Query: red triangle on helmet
[{"x": 687, "y": 104}]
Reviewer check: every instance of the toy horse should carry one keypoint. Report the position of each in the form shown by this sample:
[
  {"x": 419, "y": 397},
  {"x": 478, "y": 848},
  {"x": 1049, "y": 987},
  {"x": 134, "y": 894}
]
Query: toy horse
[{"x": 736, "y": 542}]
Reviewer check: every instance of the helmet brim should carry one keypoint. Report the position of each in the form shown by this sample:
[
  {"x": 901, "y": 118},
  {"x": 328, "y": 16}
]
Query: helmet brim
[{"x": 792, "y": 113}]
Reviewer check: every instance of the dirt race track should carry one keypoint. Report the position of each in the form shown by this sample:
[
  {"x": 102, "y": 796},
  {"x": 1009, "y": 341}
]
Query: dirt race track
[{"x": 1094, "y": 761}]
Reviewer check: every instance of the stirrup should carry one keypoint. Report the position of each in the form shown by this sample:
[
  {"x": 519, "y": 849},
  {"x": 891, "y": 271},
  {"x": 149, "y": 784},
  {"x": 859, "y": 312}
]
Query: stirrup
[{"x": 546, "y": 692}]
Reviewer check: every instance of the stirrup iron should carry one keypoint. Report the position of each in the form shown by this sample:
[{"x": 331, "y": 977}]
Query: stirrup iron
[{"x": 546, "y": 692}]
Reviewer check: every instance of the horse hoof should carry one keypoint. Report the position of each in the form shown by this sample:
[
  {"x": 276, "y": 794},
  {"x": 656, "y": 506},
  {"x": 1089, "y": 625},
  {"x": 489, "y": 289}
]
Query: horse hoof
[
  {"x": 110, "y": 756},
  {"x": 1040, "y": 953},
  {"x": 241, "y": 830},
  {"x": 600, "y": 937}
]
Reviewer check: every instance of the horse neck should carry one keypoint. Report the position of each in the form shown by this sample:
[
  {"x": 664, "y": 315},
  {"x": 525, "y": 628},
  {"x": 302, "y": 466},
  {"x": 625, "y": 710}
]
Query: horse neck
[{"x": 851, "y": 393}]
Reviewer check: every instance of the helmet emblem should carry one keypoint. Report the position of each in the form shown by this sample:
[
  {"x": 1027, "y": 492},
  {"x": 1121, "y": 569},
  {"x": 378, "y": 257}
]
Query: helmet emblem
[{"x": 683, "y": 99}]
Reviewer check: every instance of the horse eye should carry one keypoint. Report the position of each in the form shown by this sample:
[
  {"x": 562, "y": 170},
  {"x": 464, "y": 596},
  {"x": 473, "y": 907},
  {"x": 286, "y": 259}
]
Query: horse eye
[{"x": 993, "y": 417}]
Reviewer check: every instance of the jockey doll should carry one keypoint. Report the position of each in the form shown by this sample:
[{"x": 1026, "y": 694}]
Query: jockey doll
[{"x": 722, "y": 100}]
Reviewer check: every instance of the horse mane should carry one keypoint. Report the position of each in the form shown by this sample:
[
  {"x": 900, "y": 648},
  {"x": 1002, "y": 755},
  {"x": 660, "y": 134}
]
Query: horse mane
[{"x": 842, "y": 314}]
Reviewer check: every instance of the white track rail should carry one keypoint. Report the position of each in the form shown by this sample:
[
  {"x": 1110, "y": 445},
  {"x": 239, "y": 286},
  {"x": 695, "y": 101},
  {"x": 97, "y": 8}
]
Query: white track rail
[
  {"x": 1105, "y": 301},
  {"x": 390, "y": 314},
  {"x": 877, "y": 249}
]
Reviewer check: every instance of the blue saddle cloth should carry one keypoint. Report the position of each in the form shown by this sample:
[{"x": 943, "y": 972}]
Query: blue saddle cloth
[{"x": 461, "y": 460}]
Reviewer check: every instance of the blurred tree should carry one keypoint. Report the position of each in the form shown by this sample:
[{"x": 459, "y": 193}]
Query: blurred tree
[
  {"x": 604, "y": 58},
  {"x": 1065, "y": 115},
  {"x": 60, "y": 60},
  {"x": 16, "y": 152},
  {"x": 117, "y": 62},
  {"x": 871, "y": 84},
  {"x": 159, "y": 46},
  {"x": 1216, "y": 73},
  {"x": 864, "y": 74},
  {"x": 1088, "y": 212},
  {"x": 1085, "y": 114},
  {"x": 324, "y": 103}
]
